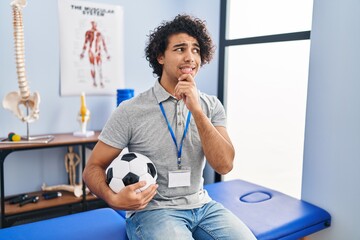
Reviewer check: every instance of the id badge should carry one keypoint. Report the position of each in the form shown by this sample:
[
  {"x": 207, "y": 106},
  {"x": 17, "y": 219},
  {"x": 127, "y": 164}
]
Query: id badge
[{"x": 179, "y": 178}]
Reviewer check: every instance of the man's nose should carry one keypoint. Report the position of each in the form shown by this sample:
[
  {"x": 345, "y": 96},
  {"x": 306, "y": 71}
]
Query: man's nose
[{"x": 189, "y": 56}]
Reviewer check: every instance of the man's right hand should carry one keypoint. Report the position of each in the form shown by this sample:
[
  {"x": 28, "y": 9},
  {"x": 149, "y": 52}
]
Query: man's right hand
[{"x": 129, "y": 199}]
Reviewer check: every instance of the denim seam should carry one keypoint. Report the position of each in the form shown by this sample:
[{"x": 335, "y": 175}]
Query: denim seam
[{"x": 208, "y": 231}]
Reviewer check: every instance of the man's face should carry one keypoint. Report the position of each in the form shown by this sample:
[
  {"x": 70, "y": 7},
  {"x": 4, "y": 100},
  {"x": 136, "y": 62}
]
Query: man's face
[{"x": 182, "y": 56}]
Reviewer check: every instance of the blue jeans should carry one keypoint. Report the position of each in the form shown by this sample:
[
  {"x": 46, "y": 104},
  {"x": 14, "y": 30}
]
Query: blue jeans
[{"x": 212, "y": 221}]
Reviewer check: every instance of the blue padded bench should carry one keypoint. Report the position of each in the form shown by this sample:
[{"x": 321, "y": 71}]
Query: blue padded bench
[
  {"x": 98, "y": 224},
  {"x": 268, "y": 213}
]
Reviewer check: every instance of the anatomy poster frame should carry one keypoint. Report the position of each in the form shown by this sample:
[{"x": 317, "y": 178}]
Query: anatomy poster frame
[{"x": 91, "y": 48}]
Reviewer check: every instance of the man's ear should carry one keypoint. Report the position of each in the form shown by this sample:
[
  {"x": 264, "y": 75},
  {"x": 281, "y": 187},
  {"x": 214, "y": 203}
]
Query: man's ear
[{"x": 160, "y": 59}]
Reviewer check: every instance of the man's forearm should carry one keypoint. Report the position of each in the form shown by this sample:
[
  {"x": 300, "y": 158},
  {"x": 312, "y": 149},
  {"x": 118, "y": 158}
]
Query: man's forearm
[{"x": 95, "y": 179}]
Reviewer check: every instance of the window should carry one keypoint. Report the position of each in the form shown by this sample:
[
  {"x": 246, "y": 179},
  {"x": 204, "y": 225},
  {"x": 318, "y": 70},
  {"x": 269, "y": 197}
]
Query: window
[
  {"x": 249, "y": 18},
  {"x": 263, "y": 86}
]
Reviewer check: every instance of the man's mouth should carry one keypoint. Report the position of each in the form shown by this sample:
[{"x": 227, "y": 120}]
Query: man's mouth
[{"x": 186, "y": 70}]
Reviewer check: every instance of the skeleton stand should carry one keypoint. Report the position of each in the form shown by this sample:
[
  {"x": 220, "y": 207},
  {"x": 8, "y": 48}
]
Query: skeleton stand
[{"x": 37, "y": 139}]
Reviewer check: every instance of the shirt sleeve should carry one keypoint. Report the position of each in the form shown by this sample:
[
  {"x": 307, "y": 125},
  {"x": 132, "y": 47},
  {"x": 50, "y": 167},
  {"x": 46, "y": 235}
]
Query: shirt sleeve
[
  {"x": 117, "y": 129},
  {"x": 214, "y": 109}
]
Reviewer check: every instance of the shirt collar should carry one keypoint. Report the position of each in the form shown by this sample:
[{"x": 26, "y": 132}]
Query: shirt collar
[{"x": 160, "y": 93}]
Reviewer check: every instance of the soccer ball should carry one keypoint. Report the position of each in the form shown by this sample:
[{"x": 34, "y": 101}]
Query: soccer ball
[{"x": 130, "y": 168}]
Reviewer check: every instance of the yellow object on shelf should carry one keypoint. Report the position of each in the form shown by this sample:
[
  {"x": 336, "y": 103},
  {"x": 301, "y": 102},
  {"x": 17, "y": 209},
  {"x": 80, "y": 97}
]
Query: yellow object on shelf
[
  {"x": 16, "y": 138},
  {"x": 83, "y": 109}
]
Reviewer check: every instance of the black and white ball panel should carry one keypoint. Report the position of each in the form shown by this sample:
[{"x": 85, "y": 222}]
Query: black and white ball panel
[{"x": 128, "y": 169}]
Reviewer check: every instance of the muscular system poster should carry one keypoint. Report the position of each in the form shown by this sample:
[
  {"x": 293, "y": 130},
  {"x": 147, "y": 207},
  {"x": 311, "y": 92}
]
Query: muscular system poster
[{"x": 91, "y": 48}]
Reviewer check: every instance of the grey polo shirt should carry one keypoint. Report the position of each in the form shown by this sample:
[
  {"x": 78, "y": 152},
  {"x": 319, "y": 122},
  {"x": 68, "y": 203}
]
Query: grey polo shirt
[{"x": 139, "y": 124}]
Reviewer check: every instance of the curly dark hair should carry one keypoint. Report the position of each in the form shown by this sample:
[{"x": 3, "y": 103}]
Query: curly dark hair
[{"x": 158, "y": 39}]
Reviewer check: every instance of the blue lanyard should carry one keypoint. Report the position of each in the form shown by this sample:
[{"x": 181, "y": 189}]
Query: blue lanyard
[{"x": 179, "y": 150}]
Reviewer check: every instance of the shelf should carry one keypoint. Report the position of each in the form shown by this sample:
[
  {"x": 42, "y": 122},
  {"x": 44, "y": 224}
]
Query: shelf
[
  {"x": 59, "y": 140},
  {"x": 66, "y": 198},
  {"x": 13, "y": 214}
]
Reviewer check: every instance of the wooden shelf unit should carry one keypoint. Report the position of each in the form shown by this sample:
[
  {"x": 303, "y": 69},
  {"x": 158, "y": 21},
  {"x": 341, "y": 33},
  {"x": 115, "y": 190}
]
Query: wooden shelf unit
[{"x": 66, "y": 203}]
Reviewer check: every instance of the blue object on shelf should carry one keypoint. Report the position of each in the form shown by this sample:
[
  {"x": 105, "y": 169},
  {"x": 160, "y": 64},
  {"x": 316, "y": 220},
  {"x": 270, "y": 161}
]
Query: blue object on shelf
[{"x": 124, "y": 94}]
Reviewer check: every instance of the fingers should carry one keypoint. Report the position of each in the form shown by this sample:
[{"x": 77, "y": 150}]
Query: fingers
[
  {"x": 147, "y": 195},
  {"x": 186, "y": 77},
  {"x": 130, "y": 199},
  {"x": 137, "y": 185},
  {"x": 187, "y": 91},
  {"x": 185, "y": 86}
]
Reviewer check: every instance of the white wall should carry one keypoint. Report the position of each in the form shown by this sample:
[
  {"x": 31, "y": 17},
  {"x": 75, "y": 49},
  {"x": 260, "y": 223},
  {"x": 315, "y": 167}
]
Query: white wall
[
  {"x": 26, "y": 171},
  {"x": 332, "y": 142}
]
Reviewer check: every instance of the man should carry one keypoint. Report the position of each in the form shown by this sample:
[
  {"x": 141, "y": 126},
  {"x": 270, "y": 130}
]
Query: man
[
  {"x": 94, "y": 42},
  {"x": 177, "y": 127}
]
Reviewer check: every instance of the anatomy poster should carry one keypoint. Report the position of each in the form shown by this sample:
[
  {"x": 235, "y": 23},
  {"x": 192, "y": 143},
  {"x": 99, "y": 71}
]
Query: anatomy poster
[{"x": 91, "y": 48}]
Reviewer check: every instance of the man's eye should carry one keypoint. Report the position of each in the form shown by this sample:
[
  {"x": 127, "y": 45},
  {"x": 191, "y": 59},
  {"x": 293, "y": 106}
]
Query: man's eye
[
  {"x": 196, "y": 50},
  {"x": 179, "y": 50}
]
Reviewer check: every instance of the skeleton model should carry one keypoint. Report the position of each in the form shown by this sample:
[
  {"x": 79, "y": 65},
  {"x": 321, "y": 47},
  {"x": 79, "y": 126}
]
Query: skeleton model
[
  {"x": 83, "y": 118},
  {"x": 14, "y": 100}
]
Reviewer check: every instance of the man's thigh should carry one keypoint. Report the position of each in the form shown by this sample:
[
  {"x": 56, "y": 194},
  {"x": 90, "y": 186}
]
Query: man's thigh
[
  {"x": 220, "y": 223},
  {"x": 162, "y": 224}
]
